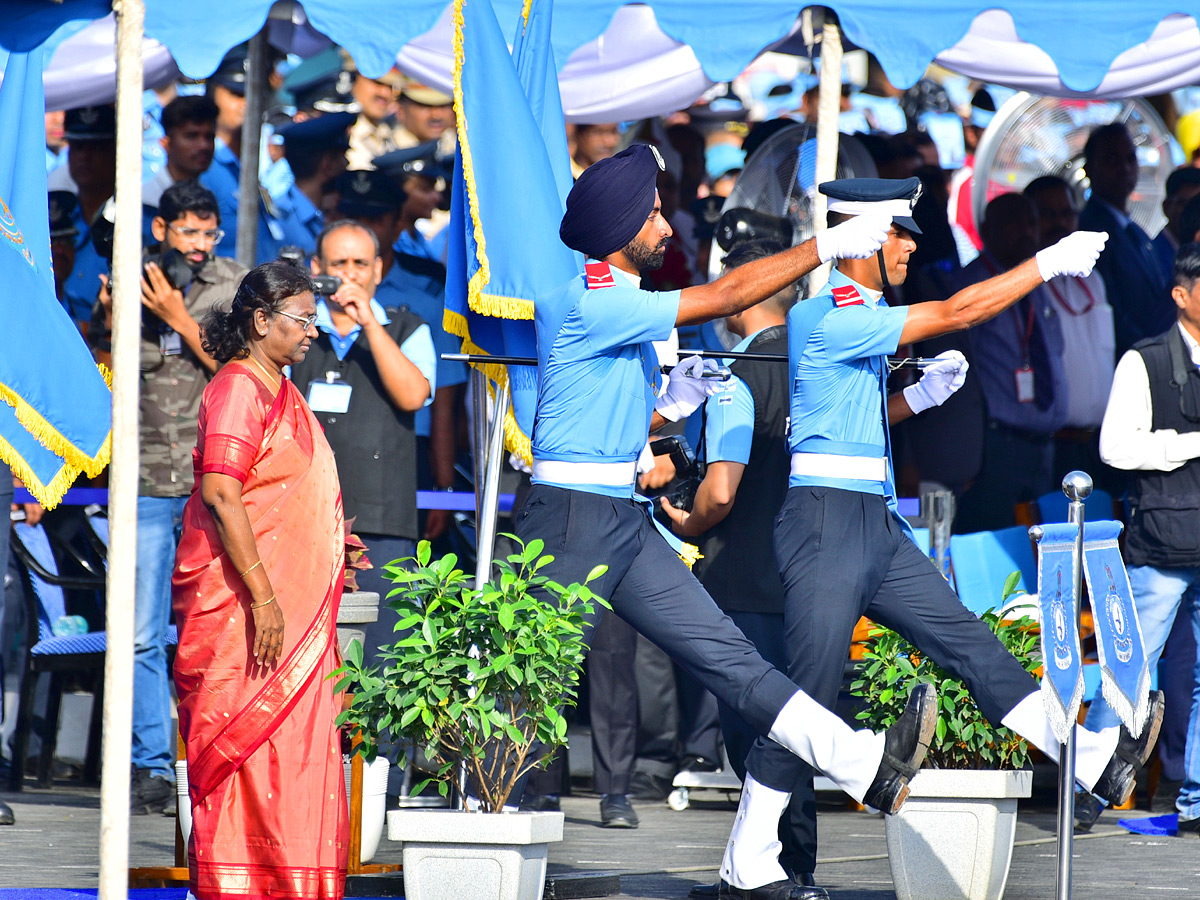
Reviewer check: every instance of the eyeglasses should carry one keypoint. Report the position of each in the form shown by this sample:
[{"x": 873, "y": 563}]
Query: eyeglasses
[
  {"x": 214, "y": 234},
  {"x": 307, "y": 321}
]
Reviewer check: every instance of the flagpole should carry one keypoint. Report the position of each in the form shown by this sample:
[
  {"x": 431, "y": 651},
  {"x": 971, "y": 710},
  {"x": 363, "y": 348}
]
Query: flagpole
[
  {"x": 1077, "y": 486},
  {"x": 248, "y": 196},
  {"x": 829, "y": 100},
  {"x": 123, "y": 473}
]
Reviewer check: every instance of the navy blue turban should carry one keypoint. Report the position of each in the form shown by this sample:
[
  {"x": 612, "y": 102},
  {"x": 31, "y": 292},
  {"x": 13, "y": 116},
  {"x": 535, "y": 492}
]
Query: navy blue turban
[{"x": 611, "y": 201}]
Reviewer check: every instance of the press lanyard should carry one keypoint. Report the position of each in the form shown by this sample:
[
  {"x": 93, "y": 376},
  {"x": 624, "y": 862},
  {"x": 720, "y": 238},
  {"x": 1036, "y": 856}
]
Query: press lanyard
[{"x": 1062, "y": 301}]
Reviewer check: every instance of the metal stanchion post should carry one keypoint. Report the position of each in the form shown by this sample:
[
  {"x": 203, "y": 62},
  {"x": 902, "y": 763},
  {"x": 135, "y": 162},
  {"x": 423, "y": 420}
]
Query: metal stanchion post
[
  {"x": 1077, "y": 486},
  {"x": 485, "y": 526},
  {"x": 937, "y": 509}
]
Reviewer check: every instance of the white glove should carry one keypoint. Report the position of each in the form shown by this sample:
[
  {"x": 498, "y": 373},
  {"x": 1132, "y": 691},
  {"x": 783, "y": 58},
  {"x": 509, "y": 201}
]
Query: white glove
[
  {"x": 1076, "y": 254},
  {"x": 858, "y": 238},
  {"x": 939, "y": 381},
  {"x": 686, "y": 390}
]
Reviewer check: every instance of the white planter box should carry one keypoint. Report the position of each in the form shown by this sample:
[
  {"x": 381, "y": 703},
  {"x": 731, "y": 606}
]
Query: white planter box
[
  {"x": 953, "y": 838},
  {"x": 474, "y": 856},
  {"x": 375, "y": 778}
]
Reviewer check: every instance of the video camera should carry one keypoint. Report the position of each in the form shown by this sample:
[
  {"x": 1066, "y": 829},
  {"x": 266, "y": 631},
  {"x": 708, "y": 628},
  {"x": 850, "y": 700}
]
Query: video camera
[{"x": 323, "y": 285}]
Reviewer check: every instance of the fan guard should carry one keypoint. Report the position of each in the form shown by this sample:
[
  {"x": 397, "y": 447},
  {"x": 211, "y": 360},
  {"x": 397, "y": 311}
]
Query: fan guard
[{"x": 1034, "y": 136}]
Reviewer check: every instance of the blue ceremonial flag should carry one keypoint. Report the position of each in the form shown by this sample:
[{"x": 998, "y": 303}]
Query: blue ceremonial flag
[
  {"x": 1062, "y": 679},
  {"x": 56, "y": 418},
  {"x": 1124, "y": 672},
  {"x": 511, "y": 177}
]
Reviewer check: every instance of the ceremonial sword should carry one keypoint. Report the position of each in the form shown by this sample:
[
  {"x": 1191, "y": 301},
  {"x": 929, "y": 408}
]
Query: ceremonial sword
[{"x": 721, "y": 374}]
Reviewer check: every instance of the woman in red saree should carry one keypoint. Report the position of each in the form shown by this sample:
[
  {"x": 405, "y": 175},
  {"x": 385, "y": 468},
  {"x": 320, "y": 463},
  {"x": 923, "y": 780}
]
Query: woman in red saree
[{"x": 257, "y": 582}]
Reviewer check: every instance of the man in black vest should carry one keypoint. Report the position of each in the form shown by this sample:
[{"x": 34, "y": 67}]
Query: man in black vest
[
  {"x": 366, "y": 374},
  {"x": 1152, "y": 429},
  {"x": 740, "y": 435}
]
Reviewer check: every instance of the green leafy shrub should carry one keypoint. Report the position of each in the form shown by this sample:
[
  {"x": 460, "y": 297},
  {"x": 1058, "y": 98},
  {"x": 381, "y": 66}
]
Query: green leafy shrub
[
  {"x": 475, "y": 677},
  {"x": 964, "y": 739}
]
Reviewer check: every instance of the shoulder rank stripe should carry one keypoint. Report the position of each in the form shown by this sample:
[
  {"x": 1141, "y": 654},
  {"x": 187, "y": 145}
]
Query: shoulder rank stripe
[
  {"x": 599, "y": 275},
  {"x": 846, "y": 295}
]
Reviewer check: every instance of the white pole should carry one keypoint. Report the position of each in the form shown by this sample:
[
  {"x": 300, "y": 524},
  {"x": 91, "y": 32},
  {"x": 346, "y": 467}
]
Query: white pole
[
  {"x": 123, "y": 472},
  {"x": 828, "y": 108}
]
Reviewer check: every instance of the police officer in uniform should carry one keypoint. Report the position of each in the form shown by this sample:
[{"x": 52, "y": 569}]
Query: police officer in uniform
[
  {"x": 844, "y": 551},
  {"x": 365, "y": 376},
  {"x": 740, "y": 435},
  {"x": 597, "y": 401}
]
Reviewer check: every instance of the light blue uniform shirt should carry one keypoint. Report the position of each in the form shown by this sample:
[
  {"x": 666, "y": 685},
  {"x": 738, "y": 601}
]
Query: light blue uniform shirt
[
  {"x": 222, "y": 179},
  {"x": 426, "y": 297},
  {"x": 418, "y": 346},
  {"x": 300, "y": 220},
  {"x": 598, "y": 373},
  {"x": 728, "y": 419},
  {"x": 83, "y": 285},
  {"x": 837, "y": 357}
]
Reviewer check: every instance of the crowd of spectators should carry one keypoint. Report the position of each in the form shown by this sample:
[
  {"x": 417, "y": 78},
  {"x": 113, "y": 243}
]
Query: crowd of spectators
[{"x": 355, "y": 175}]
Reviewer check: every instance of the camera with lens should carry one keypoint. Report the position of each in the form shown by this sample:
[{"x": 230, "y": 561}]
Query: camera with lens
[
  {"x": 681, "y": 493},
  {"x": 323, "y": 285}
]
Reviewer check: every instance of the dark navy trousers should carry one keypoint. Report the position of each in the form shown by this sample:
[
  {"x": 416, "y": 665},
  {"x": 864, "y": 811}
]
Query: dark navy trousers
[
  {"x": 650, "y": 588},
  {"x": 842, "y": 555}
]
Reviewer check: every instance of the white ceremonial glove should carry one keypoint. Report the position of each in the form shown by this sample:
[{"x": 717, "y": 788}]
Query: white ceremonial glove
[
  {"x": 939, "y": 381},
  {"x": 645, "y": 460},
  {"x": 1076, "y": 254},
  {"x": 858, "y": 238},
  {"x": 686, "y": 390}
]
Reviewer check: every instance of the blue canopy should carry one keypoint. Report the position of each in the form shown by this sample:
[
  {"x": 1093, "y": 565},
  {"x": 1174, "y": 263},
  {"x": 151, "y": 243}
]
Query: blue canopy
[{"x": 1081, "y": 38}]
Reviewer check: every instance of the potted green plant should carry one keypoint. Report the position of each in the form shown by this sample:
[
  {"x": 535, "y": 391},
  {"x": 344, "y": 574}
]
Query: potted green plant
[
  {"x": 953, "y": 838},
  {"x": 477, "y": 678}
]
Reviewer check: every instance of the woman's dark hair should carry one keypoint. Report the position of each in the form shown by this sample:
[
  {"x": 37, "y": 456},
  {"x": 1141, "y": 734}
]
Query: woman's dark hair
[{"x": 226, "y": 332}]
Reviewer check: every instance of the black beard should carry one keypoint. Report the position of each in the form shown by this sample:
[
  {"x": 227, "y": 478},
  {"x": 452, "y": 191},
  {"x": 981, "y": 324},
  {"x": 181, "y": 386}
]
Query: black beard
[{"x": 643, "y": 257}]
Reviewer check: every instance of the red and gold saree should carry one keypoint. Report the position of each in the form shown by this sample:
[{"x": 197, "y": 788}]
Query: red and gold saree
[{"x": 264, "y": 759}]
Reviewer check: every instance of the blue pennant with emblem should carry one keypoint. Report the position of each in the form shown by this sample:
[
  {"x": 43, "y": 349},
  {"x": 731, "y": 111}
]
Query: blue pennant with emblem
[
  {"x": 1124, "y": 671},
  {"x": 1062, "y": 681}
]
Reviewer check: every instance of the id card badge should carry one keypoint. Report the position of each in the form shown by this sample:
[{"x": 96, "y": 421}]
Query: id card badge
[
  {"x": 1024, "y": 376},
  {"x": 329, "y": 397},
  {"x": 170, "y": 344}
]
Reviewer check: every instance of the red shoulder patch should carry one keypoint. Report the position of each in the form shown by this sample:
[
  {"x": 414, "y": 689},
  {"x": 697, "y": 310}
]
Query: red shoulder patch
[
  {"x": 846, "y": 295},
  {"x": 599, "y": 275}
]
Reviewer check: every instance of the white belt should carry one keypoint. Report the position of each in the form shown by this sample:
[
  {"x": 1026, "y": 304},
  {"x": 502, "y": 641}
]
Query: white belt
[
  {"x": 830, "y": 465},
  {"x": 554, "y": 471}
]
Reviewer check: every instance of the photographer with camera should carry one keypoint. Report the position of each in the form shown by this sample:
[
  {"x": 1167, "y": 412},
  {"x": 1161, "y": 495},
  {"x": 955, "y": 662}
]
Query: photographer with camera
[
  {"x": 181, "y": 281},
  {"x": 739, "y": 436},
  {"x": 369, "y": 370}
]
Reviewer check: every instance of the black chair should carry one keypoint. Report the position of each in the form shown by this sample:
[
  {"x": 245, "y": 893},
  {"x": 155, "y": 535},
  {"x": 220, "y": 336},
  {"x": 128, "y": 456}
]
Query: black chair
[{"x": 49, "y": 568}]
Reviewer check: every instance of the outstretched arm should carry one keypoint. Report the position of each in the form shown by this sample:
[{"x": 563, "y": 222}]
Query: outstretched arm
[
  {"x": 1075, "y": 254},
  {"x": 754, "y": 282}
]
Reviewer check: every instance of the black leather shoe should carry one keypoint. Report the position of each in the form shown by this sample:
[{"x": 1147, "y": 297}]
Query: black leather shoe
[
  {"x": 905, "y": 745},
  {"x": 776, "y": 890},
  {"x": 540, "y": 803},
  {"x": 705, "y": 891},
  {"x": 1087, "y": 811},
  {"x": 149, "y": 793},
  {"x": 1116, "y": 782},
  {"x": 7, "y": 817},
  {"x": 617, "y": 812},
  {"x": 1187, "y": 827}
]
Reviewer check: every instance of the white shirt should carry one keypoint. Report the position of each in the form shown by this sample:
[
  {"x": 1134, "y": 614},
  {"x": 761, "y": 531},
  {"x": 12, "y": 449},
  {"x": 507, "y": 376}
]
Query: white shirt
[
  {"x": 1089, "y": 346},
  {"x": 1126, "y": 441}
]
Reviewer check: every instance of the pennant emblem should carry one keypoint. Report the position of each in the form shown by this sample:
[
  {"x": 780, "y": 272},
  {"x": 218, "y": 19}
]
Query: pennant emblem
[
  {"x": 846, "y": 295},
  {"x": 599, "y": 275}
]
